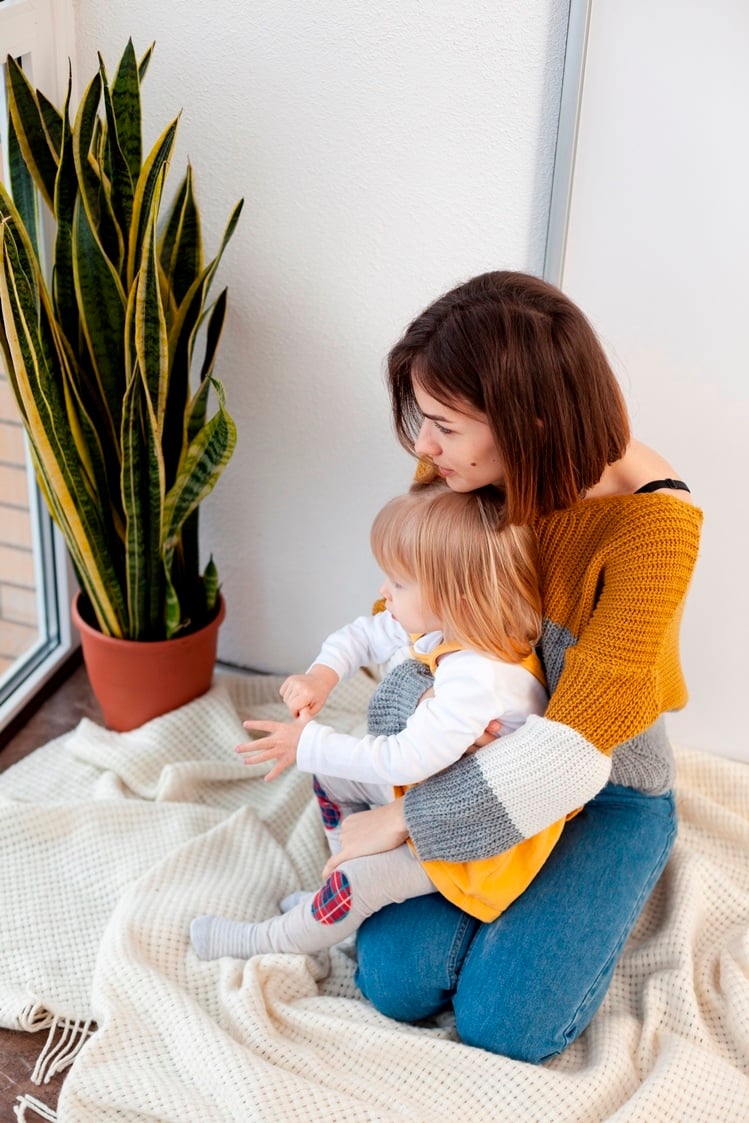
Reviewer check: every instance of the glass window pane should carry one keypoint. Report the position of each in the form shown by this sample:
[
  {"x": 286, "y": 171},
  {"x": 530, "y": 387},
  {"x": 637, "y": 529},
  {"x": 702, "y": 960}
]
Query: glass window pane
[{"x": 30, "y": 566}]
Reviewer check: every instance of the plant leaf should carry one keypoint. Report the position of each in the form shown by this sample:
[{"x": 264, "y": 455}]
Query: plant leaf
[
  {"x": 39, "y": 355},
  {"x": 28, "y": 122},
  {"x": 148, "y": 196},
  {"x": 199, "y": 471},
  {"x": 95, "y": 191},
  {"x": 126, "y": 111},
  {"x": 66, "y": 193},
  {"x": 182, "y": 335},
  {"x": 23, "y": 188},
  {"x": 150, "y": 323},
  {"x": 102, "y": 303},
  {"x": 181, "y": 246},
  {"x": 118, "y": 135}
]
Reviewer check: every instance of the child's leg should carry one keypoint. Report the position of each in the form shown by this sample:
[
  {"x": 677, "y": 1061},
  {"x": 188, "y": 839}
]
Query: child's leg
[
  {"x": 352, "y": 893},
  {"x": 338, "y": 798}
]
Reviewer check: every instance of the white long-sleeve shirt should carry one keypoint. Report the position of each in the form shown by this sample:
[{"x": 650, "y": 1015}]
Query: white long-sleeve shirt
[{"x": 470, "y": 690}]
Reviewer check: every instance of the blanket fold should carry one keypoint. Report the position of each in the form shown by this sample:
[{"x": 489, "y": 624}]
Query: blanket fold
[{"x": 112, "y": 842}]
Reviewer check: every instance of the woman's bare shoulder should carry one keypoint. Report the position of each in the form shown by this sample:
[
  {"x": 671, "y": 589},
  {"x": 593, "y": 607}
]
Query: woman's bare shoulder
[{"x": 639, "y": 466}]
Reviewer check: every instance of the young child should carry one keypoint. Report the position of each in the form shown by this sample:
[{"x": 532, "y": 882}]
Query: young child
[{"x": 461, "y": 590}]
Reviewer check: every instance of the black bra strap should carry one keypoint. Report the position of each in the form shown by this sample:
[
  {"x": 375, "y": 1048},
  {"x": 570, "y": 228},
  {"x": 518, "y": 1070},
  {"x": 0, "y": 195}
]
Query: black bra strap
[{"x": 656, "y": 485}]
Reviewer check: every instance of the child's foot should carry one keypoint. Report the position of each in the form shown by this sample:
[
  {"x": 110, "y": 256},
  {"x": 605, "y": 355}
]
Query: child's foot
[{"x": 214, "y": 936}]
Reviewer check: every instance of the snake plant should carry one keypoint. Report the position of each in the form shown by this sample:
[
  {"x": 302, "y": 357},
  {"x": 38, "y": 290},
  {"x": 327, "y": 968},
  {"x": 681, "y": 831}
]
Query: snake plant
[{"x": 112, "y": 362}]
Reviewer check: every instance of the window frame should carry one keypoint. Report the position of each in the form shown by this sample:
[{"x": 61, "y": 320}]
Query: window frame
[{"x": 41, "y": 32}]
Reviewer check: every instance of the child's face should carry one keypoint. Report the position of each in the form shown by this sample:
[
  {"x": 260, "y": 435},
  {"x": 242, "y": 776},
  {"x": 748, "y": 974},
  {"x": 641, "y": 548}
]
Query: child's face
[{"x": 404, "y": 601}]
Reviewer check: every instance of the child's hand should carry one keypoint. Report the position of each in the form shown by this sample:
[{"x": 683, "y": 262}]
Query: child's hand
[
  {"x": 309, "y": 691},
  {"x": 280, "y": 745}
]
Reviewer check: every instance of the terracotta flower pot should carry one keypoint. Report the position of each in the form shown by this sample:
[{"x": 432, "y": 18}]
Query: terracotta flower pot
[{"x": 134, "y": 681}]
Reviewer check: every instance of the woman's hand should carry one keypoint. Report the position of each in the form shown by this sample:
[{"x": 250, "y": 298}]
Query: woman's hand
[
  {"x": 370, "y": 832},
  {"x": 492, "y": 731},
  {"x": 280, "y": 745}
]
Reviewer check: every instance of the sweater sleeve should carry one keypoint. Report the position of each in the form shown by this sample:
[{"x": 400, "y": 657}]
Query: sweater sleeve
[
  {"x": 619, "y": 675},
  {"x": 368, "y": 639},
  {"x": 469, "y": 691}
]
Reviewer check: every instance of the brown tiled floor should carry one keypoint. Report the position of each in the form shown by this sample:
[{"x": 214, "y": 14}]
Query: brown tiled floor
[{"x": 19, "y": 1051}]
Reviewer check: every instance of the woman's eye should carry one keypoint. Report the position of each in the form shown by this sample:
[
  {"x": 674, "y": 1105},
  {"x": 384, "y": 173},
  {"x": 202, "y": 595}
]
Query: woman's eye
[{"x": 441, "y": 429}]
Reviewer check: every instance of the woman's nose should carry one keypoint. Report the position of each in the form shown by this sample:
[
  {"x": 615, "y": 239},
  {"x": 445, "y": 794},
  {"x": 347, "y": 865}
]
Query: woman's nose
[{"x": 425, "y": 444}]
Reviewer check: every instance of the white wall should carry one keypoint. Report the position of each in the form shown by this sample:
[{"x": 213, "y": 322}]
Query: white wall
[
  {"x": 385, "y": 151},
  {"x": 657, "y": 250}
]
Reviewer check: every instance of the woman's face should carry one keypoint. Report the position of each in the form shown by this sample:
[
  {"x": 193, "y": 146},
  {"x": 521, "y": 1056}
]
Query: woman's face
[{"x": 460, "y": 445}]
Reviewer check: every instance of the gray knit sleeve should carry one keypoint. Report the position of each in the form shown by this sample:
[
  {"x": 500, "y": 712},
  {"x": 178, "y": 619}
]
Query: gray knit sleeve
[
  {"x": 456, "y": 816},
  {"x": 396, "y": 698}
]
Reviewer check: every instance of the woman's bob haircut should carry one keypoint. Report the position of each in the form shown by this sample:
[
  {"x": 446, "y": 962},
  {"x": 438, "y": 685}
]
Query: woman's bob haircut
[
  {"x": 515, "y": 349},
  {"x": 476, "y": 573}
]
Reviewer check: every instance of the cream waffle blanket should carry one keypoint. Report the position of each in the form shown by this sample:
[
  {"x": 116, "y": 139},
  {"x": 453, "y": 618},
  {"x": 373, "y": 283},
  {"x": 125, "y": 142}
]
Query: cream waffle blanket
[{"x": 111, "y": 843}]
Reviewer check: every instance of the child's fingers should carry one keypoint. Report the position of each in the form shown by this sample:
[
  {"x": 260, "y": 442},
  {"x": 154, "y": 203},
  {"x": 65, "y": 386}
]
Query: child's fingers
[
  {"x": 264, "y": 726},
  {"x": 276, "y": 771},
  {"x": 260, "y": 744}
]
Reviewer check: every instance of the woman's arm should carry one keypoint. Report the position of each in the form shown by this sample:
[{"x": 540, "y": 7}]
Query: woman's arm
[{"x": 619, "y": 677}]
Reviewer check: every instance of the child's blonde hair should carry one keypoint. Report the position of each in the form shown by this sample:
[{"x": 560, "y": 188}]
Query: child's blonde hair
[{"x": 477, "y": 574}]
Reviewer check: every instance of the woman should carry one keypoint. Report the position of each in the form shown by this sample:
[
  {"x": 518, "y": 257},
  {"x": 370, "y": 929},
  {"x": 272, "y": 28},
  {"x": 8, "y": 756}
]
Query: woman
[{"x": 502, "y": 381}]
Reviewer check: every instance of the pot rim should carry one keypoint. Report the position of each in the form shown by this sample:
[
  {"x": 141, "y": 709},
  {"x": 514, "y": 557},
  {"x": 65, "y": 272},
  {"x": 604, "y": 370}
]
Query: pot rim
[{"x": 89, "y": 630}]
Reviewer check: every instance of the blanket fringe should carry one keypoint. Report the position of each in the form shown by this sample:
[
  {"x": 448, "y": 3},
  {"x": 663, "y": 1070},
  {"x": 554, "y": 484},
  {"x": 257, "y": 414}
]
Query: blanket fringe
[
  {"x": 42, "y": 1110},
  {"x": 59, "y": 1054}
]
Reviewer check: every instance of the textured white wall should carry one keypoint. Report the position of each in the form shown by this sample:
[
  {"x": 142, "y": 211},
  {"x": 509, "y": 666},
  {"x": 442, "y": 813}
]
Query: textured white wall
[
  {"x": 656, "y": 254},
  {"x": 385, "y": 151}
]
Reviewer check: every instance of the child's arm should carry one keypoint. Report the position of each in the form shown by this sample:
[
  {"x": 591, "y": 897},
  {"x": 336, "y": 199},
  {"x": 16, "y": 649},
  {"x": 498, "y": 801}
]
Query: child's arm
[
  {"x": 368, "y": 639},
  {"x": 310, "y": 690},
  {"x": 470, "y": 691}
]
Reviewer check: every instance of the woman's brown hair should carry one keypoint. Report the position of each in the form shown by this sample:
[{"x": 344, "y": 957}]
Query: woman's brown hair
[
  {"x": 516, "y": 349},
  {"x": 477, "y": 574}
]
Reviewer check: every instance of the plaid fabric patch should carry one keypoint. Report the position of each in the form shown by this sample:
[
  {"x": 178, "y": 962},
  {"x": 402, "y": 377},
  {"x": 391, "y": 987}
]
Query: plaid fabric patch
[
  {"x": 333, "y": 901},
  {"x": 331, "y": 812}
]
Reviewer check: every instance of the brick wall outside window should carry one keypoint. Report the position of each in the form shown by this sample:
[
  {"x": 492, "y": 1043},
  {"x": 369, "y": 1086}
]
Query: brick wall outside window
[{"x": 18, "y": 604}]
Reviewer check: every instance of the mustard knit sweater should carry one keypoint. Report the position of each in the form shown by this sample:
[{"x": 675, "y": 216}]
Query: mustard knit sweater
[{"x": 614, "y": 577}]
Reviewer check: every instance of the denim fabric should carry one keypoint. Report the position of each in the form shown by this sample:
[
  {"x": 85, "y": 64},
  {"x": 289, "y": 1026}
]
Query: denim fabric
[{"x": 526, "y": 985}]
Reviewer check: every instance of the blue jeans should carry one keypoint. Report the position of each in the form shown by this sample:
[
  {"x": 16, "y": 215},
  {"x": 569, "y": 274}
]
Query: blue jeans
[{"x": 526, "y": 985}]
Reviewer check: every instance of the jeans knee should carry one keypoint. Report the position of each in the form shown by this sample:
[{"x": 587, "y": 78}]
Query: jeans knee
[{"x": 519, "y": 1042}]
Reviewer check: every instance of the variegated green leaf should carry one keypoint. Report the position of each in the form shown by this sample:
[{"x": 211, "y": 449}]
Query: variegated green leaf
[
  {"x": 150, "y": 323},
  {"x": 22, "y": 187},
  {"x": 210, "y": 584},
  {"x": 148, "y": 196},
  {"x": 143, "y": 64},
  {"x": 102, "y": 302},
  {"x": 28, "y": 122},
  {"x": 52, "y": 119},
  {"x": 200, "y": 468},
  {"x": 182, "y": 337},
  {"x": 126, "y": 112},
  {"x": 94, "y": 190},
  {"x": 38, "y": 357},
  {"x": 66, "y": 193},
  {"x": 181, "y": 246},
  {"x": 120, "y": 177}
]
